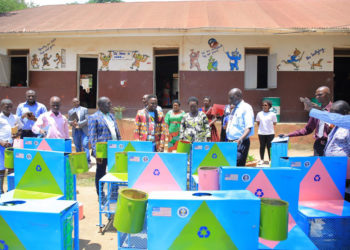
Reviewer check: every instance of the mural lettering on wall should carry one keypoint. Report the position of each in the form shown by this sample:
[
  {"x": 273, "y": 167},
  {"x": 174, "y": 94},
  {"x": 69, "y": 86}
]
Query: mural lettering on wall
[
  {"x": 294, "y": 59},
  {"x": 234, "y": 57},
  {"x": 194, "y": 60},
  {"x": 212, "y": 64},
  {"x": 123, "y": 54},
  {"x": 318, "y": 62},
  {"x": 105, "y": 60},
  {"x": 138, "y": 58},
  {"x": 48, "y": 46}
]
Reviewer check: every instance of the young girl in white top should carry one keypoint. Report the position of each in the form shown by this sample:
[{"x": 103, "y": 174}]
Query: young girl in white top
[{"x": 266, "y": 121}]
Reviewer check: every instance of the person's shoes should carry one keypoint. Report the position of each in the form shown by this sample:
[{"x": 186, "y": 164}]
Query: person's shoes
[{"x": 261, "y": 162}]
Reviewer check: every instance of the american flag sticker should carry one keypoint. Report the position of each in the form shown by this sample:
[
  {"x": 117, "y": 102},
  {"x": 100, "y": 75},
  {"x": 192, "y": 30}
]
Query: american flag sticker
[
  {"x": 198, "y": 147},
  {"x": 135, "y": 158},
  {"x": 161, "y": 211},
  {"x": 29, "y": 143},
  {"x": 231, "y": 177},
  {"x": 20, "y": 155},
  {"x": 113, "y": 146},
  {"x": 296, "y": 164}
]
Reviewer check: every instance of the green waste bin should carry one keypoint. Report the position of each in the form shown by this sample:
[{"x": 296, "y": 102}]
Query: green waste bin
[
  {"x": 183, "y": 147},
  {"x": 101, "y": 150},
  {"x": 273, "y": 219},
  {"x": 276, "y": 106},
  {"x": 78, "y": 163},
  {"x": 121, "y": 161},
  {"x": 8, "y": 158},
  {"x": 130, "y": 212}
]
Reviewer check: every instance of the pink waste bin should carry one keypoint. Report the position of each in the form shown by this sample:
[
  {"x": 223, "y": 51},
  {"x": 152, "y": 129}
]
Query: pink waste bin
[{"x": 208, "y": 178}]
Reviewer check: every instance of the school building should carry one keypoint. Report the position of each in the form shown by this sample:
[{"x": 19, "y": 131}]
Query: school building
[{"x": 267, "y": 48}]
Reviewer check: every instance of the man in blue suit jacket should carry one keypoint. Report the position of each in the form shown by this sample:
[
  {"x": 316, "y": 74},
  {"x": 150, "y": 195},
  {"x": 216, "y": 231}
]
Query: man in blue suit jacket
[
  {"x": 78, "y": 119},
  {"x": 102, "y": 127}
]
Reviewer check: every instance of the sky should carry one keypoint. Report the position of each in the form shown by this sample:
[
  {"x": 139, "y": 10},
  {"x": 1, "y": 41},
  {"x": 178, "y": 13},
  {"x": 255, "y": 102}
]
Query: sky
[{"x": 51, "y": 2}]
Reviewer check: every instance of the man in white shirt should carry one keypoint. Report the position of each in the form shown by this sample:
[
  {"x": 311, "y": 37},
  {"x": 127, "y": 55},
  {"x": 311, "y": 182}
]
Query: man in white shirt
[
  {"x": 10, "y": 127},
  {"x": 240, "y": 125}
]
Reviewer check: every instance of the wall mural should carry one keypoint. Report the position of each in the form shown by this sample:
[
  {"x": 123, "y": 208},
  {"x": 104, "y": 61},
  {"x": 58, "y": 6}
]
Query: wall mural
[
  {"x": 135, "y": 58},
  {"x": 48, "y": 57},
  {"x": 314, "y": 59},
  {"x": 294, "y": 59},
  {"x": 216, "y": 50}
]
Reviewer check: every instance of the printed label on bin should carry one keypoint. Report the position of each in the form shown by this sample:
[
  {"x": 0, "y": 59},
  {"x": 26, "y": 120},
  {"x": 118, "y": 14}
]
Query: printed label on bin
[
  {"x": 161, "y": 211},
  {"x": 231, "y": 177},
  {"x": 135, "y": 158},
  {"x": 29, "y": 143},
  {"x": 296, "y": 164},
  {"x": 199, "y": 147},
  {"x": 113, "y": 146},
  {"x": 20, "y": 155},
  {"x": 29, "y": 157},
  {"x": 246, "y": 177}
]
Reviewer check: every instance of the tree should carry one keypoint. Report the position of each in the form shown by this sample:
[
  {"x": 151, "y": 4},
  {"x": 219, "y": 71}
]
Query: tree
[
  {"x": 104, "y": 1},
  {"x": 10, "y": 5}
]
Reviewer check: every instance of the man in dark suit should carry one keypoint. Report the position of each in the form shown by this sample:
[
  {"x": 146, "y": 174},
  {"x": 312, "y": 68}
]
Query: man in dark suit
[
  {"x": 78, "y": 119},
  {"x": 102, "y": 128}
]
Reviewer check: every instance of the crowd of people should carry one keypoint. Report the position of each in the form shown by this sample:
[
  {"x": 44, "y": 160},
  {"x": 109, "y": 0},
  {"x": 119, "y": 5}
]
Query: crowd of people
[{"x": 32, "y": 119}]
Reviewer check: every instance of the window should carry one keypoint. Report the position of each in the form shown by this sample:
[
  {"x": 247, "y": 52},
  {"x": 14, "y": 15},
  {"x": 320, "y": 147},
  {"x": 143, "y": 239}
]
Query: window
[
  {"x": 260, "y": 69},
  {"x": 14, "y": 68}
]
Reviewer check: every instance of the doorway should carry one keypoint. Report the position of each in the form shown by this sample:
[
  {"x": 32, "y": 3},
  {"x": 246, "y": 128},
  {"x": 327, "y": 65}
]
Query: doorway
[
  {"x": 166, "y": 75},
  {"x": 342, "y": 74},
  {"x": 88, "y": 81}
]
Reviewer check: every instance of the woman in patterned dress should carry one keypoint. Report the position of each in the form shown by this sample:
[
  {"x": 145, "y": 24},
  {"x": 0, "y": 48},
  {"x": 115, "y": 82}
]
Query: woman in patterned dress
[
  {"x": 173, "y": 119},
  {"x": 194, "y": 125},
  {"x": 208, "y": 110}
]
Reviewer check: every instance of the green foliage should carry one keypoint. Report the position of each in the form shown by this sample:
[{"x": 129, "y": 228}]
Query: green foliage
[
  {"x": 250, "y": 158},
  {"x": 104, "y": 1},
  {"x": 11, "y": 5}
]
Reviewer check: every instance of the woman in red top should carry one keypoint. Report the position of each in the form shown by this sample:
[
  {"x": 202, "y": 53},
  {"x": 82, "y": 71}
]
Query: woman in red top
[{"x": 208, "y": 110}]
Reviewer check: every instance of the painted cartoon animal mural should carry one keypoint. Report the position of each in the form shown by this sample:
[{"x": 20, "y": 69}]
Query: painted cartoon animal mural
[
  {"x": 234, "y": 59},
  {"x": 294, "y": 59},
  {"x": 45, "y": 60},
  {"x": 35, "y": 61},
  {"x": 58, "y": 60},
  {"x": 194, "y": 60},
  {"x": 317, "y": 64},
  {"x": 105, "y": 60},
  {"x": 212, "y": 64},
  {"x": 138, "y": 58}
]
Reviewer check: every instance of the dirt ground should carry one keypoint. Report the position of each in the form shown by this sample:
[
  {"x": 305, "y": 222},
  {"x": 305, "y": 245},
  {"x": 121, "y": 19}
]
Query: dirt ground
[{"x": 91, "y": 239}]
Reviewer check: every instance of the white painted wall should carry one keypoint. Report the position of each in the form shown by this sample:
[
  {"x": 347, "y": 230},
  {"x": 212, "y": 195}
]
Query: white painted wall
[{"x": 125, "y": 49}]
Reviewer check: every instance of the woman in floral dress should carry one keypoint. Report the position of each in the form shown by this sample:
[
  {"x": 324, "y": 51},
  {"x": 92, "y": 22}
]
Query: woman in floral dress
[
  {"x": 194, "y": 125},
  {"x": 173, "y": 119}
]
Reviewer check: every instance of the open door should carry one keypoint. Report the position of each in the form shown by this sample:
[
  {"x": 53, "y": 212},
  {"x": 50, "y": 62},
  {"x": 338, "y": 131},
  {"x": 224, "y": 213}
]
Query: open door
[
  {"x": 87, "y": 80},
  {"x": 342, "y": 74},
  {"x": 166, "y": 75}
]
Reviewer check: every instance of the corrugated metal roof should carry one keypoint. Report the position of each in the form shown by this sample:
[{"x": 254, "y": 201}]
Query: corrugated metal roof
[{"x": 185, "y": 15}]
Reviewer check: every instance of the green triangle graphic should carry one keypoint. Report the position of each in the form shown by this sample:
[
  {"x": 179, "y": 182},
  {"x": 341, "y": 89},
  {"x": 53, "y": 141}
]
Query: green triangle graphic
[
  {"x": 121, "y": 176},
  {"x": 203, "y": 231},
  {"x": 8, "y": 238},
  {"x": 37, "y": 178},
  {"x": 129, "y": 148},
  {"x": 214, "y": 158}
]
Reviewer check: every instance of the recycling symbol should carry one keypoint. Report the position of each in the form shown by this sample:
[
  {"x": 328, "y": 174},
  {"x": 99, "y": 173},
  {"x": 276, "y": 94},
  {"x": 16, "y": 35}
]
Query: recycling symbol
[
  {"x": 214, "y": 156},
  {"x": 203, "y": 232},
  {"x": 3, "y": 245},
  {"x": 317, "y": 178},
  {"x": 259, "y": 192},
  {"x": 156, "y": 172},
  {"x": 38, "y": 168}
]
